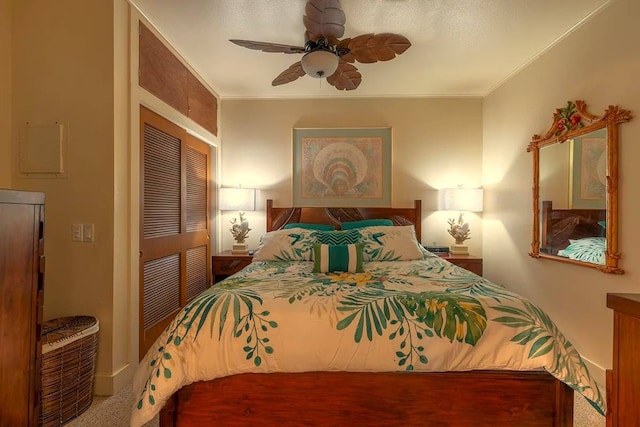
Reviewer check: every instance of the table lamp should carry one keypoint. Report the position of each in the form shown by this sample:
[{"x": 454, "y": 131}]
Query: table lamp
[
  {"x": 238, "y": 199},
  {"x": 461, "y": 200}
]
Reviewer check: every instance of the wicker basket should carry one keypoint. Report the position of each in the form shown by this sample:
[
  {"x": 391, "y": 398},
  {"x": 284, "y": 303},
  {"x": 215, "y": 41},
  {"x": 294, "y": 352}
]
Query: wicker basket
[{"x": 68, "y": 363}]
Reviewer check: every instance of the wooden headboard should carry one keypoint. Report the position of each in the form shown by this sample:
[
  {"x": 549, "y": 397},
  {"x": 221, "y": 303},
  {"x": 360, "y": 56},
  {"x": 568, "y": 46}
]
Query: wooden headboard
[
  {"x": 560, "y": 225},
  {"x": 279, "y": 217}
]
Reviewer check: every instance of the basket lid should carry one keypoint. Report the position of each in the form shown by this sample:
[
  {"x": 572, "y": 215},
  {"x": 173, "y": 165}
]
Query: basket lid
[{"x": 59, "y": 332}]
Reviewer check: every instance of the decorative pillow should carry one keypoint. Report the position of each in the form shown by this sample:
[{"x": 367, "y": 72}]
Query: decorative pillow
[
  {"x": 294, "y": 244},
  {"x": 589, "y": 249},
  {"x": 330, "y": 258},
  {"x": 338, "y": 237},
  {"x": 389, "y": 243},
  {"x": 306, "y": 226},
  {"x": 365, "y": 223}
]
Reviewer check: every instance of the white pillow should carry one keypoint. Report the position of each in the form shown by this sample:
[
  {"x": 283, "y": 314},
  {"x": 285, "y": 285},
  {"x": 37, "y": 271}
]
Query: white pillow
[
  {"x": 390, "y": 243},
  {"x": 292, "y": 244}
]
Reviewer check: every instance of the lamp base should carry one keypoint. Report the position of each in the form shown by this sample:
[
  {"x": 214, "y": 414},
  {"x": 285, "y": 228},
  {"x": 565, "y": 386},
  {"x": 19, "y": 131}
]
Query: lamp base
[
  {"x": 459, "y": 249},
  {"x": 240, "y": 248}
]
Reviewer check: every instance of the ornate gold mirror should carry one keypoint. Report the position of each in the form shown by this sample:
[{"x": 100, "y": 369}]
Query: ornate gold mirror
[{"x": 575, "y": 188}]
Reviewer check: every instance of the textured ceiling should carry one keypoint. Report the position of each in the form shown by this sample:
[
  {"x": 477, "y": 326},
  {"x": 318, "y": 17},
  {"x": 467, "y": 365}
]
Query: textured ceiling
[{"x": 459, "y": 47}]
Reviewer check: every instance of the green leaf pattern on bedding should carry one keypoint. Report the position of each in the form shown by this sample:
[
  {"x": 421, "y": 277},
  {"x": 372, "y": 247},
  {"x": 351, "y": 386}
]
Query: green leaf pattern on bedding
[
  {"x": 588, "y": 249},
  {"x": 390, "y": 243},
  {"x": 413, "y": 317},
  {"x": 412, "y": 305},
  {"x": 291, "y": 244},
  {"x": 215, "y": 308},
  {"x": 544, "y": 337}
]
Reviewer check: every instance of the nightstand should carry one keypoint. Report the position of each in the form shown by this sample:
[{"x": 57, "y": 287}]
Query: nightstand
[
  {"x": 225, "y": 264},
  {"x": 468, "y": 262}
]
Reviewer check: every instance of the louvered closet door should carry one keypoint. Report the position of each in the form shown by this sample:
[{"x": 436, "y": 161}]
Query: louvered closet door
[{"x": 174, "y": 226}]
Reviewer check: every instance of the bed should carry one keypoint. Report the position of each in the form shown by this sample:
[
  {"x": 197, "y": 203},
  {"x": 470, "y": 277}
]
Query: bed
[
  {"x": 577, "y": 234},
  {"x": 405, "y": 338}
]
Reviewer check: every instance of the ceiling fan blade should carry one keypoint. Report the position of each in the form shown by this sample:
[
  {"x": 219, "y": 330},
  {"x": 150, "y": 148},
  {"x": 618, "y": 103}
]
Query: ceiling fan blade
[
  {"x": 346, "y": 77},
  {"x": 290, "y": 74},
  {"x": 369, "y": 48},
  {"x": 268, "y": 47},
  {"x": 324, "y": 18}
]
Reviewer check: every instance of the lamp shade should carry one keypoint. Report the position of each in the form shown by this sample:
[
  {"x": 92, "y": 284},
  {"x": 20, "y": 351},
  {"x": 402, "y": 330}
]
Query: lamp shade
[
  {"x": 237, "y": 199},
  {"x": 319, "y": 63},
  {"x": 461, "y": 199}
]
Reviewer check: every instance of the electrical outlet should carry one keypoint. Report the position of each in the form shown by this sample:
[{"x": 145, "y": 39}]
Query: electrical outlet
[
  {"x": 77, "y": 233},
  {"x": 87, "y": 233}
]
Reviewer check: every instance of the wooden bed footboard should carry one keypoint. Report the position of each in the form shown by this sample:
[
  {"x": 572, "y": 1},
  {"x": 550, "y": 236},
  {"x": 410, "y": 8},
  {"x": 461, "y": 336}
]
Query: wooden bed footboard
[{"x": 473, "y": 398}]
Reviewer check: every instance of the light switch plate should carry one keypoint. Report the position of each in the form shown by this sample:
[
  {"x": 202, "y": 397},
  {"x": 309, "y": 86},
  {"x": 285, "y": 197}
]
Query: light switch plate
[
  {"x": 77, "y": 233},
  {"x": 87, "y": 233}
]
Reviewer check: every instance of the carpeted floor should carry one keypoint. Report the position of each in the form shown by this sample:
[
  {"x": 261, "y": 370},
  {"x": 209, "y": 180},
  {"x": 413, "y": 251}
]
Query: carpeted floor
[
  {"x": 114, "y": 412},
  {"x": 110, "y": 411}
]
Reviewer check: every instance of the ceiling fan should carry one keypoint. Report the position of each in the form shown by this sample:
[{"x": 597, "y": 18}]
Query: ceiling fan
[{"x": 325, "y": 55}]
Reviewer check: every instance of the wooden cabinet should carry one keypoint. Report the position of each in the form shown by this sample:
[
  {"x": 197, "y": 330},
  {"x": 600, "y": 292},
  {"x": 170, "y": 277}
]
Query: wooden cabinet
[
  {"x": 468, "y": 262},
  {"x": 21, "y": 300},
  {"x": 165, "y": 76},
  {"x": 623, "y": 383},
  {"x": 225, "y": 264}
]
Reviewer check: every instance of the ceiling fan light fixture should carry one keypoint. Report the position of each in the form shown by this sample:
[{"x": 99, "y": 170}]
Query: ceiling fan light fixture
[
  {"x": 326, "y": 54},
  {"x": 320, "y": 63}
]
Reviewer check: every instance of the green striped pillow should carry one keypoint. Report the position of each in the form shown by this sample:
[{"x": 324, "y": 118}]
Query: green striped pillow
[
  {"x": 338, "y": 237},
  {"x": 330, "y": 258}
]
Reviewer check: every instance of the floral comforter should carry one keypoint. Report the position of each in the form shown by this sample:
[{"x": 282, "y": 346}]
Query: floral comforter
[{"x": 421, "y": 315}]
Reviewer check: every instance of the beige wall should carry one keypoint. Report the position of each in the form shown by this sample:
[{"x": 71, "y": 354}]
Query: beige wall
[
  {"x": 436, "y": 143},
  {"x": 5, "y": 93},
  {"x": 554, "y": 174},
  {"x": 600, "y": 64},
  {"x": 65, "y": 54}
]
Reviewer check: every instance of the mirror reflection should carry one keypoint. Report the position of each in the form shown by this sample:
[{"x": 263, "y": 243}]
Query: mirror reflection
[
  {"x": 575, "y": 191},
  {"x": 573, "y": 198}
]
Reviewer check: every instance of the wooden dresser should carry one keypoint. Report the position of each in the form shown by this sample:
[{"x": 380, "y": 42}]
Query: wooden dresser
[
  {"x": 21, "y": 299},
  {"x": 623, "y": 383}
]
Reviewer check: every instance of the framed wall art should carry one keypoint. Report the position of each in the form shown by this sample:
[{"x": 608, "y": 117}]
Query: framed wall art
[
  {"x": 588, "y": 171},
  {"x": 347, "y": 167}
]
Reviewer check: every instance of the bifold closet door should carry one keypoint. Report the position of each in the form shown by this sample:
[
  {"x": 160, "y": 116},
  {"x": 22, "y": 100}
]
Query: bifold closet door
[{"x": 174, "y": 227}]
